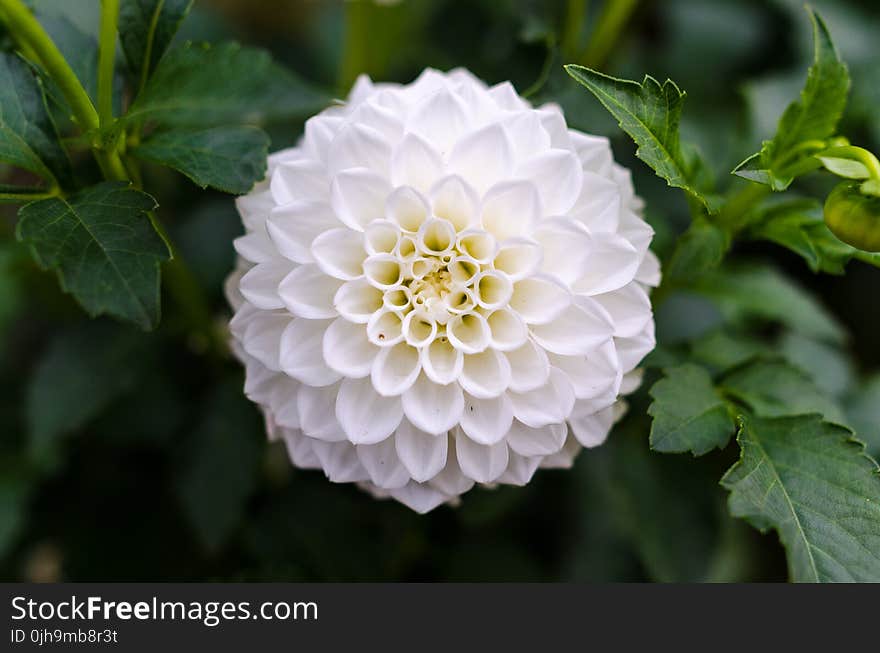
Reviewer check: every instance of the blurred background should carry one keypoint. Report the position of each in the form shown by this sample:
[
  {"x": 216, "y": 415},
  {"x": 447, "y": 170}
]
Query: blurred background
[{"x": 132, "y": 456}]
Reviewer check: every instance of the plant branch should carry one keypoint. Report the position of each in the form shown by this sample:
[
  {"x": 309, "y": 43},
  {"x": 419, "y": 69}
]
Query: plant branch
[
  {"x": 606, "y": 33},
  {"x": 107, "y": 60}
]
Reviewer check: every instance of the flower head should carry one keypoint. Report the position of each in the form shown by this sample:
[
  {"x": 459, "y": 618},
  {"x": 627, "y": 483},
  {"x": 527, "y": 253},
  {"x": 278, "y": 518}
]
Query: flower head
[{"x": 441, "y": 286}]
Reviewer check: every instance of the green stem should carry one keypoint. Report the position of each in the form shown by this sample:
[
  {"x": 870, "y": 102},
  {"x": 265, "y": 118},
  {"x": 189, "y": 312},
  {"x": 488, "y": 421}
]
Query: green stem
[
  {"x": 33, "y": 38},
  {"x": 28, "y": 197},
  {"x": 107, "y": 60},
  {"x": 611, "y": 22},
  {"x": 739, "y": 205},
  {"x": 356, "y": 47},
  {"x": 575, "y": 13}
]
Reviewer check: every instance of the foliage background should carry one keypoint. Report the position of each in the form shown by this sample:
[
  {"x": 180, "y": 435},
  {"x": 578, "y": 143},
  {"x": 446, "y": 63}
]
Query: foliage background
[{"x": 135, "y": 456}]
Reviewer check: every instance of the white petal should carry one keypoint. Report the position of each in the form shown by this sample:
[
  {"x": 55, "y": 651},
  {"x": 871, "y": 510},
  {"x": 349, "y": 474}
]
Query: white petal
[
  {"x": 300, "y": 450},
  {"x": 649, "y": 270},
  {"x": 526, "y": 134},
  {"x": 506, "y": 97},
  {"x": 358, "y": 197},
  {"x": 529, "y": 368},
  {"x": 260, "y": 284},
  {"x": 295, "y": 226},
  {"x": 340, "y": 462},
  {"x": 558, "y": 177},
  {"x": 549, "y": 404},
  {"x": 359, "y": 146},
  {"x": 480, "y": 462},
  {"x": 383, "y": 119},
  {"x": 564, "y": 458},
  {"x": 298, "y": 181},
  {"x": 262, "y": 337},
  {"x": 598, "y": 207},
  {"x": 317, "y": 413},
  {"x": 486, "y": 374},
  {"x": 518, "y": 258},
  {"x": 318, "y": 133},
  {"x": 540, "y": 299},
  {"x": 301, "y": 352},
  {"x": 469, "y": 333},
  {"x": 256, "y": 246},
  {"x": 365, "y": 415},
  {"x": 385, "y": 328},
  {"x": 629, "y": 307},
  {"x": 423, "y": 454},
  {"x": 282, "y": 401},
  {"x": 340, "y": 253},
  {"x": 483, "y": 157},
  {"x": 511, "y": 209},
  {"x": 592, "y": 374},
  {"x": 441, "y": 361},
  {"x": 576, "y": 330},
  {"x": 435, "y": 237},
  {"x": 407, "y": 207},
  {"x": 450, "y": 480},
  {"x": 631, "y": 351},
  {"x": 431, "y": 407},
  {"x": 395, "y": 369},
  {"x": 507, "y": 330},
  {"x": 486, "y": 421},
  {"x": 631, "y": 381},
  {"x": 382, "y": 464},
  {"x": 357, "y": 300},
  {"x": 418, "y": 497},
  {"x": 381, "y": 237},
  {"x": 612, "y": 264},
  {"x": 520, "y": 469},
  {"x": 254, "y": 208},
  {"x": 566, "y": 249},
  {"x": 492, "y": 289},
  {"x": 308, "y": 292},
  {"x": 347, "y": 350},
  {"x": 383, "y": 270},
  {"x": 415, "y": 163},
  {"x": 477, "y": 244},
  {"x": 590, "y": 428},
  {"x": 440, "y": 118},
  {"x": 454, "y": 200},
  {"x": 542, "y": 441},
  {"x": 418, "y": 329},
  {"x": 554, "y": 124}
]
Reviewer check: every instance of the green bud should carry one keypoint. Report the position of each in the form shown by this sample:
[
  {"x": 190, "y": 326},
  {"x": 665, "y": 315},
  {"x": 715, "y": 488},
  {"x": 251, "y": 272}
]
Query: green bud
[{"x": 853, "y": 216}]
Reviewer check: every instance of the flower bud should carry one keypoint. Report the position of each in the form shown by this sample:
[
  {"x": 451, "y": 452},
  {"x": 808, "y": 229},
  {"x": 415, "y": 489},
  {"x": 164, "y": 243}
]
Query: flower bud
[{"x": 853, "y": 216}]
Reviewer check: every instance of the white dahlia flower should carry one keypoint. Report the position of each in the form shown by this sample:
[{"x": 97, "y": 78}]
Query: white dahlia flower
[{"x": 441, "y": 286}]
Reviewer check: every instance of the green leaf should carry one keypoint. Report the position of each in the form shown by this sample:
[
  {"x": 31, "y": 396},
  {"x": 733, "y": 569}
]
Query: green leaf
[
  {"x": 699, "y": 250},
  {"x": 798, "y": 225},
  {"x": 28, "y": 138},
  {"x": 827, "y": 365},
  {"x": 773, "y": 388},
  {"x": 79, "y": 49},
  {"x": 813, "y": 117},
  {"x": 146, "y": 29},
  {"x": 223, "y": 465},
  {"x": 723, "y": 350},
  {"x": 863, "y": 413},
  {"x": 688, "y": 414},
  {"x": 184, "y": 89},
  {"x": 649, "y": 112},
  {"x": 749, "y": 293},
  {"x": 81, "y": 372},
  {"x": 813, "y": 484},
  {"x": 231, "y": 159},
  {"x": 104, "y": 247}
]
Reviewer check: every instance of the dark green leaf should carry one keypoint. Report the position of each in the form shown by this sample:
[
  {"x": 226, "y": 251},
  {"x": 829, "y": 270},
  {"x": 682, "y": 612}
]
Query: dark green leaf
[
  {"x": 15, "y": 489},
  {"x": 649, "y": 112},
  {"x": 688, "y": 414},
  {"x": 811, "y": 118},
  {"x": 798, "y": 224},
  {"x": 773, "y": 388},
  {"x": 222, "y": 470},
  {"x": 28, "y": 138},
  {"x": 700, "y": 249},
  {"x": 104, "y": 247},
  {"x": 146, "y": 28},
  {"x": 863, "y": 413},
  {"x": 813, "y": 484},
  {"x": 184, "y": 89},
  {"x": 231, "y": 159},
  {"x": 79, "y": 375},
  {"x": 828, "y": 366},
  {"x": 79, "y": 49},
  {"x": 762, "y": 293},
  {"x": 723, "y": 350}
]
